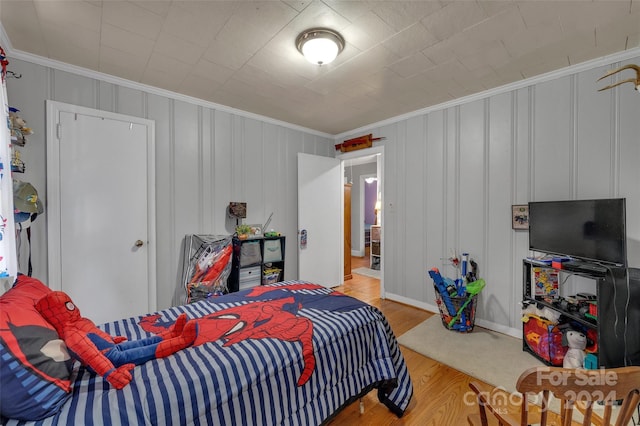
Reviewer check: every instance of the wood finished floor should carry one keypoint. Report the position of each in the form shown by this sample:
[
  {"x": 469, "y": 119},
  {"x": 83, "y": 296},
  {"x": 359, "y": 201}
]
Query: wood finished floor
[{"x": 439, "y": 391}]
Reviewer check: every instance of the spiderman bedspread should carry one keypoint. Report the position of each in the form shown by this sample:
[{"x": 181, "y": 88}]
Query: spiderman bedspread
[{"x": 291, "y": 353}]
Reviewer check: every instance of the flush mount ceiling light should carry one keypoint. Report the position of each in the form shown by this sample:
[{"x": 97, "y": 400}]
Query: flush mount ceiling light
[{"x": 320, "y": 46}]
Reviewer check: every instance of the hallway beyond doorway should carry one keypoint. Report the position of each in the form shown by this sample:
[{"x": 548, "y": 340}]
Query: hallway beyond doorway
[{"x": 359, "y": 286}]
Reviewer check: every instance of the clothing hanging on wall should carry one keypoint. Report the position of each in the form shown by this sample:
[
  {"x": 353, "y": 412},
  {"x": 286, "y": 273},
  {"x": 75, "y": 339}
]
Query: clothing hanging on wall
[{"x": 8, "y": 253}]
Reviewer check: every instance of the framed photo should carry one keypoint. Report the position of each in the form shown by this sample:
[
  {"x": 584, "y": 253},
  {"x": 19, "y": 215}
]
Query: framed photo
[
  {"x": 238, "y": 210},
  {"x": 520, "y": 216}
]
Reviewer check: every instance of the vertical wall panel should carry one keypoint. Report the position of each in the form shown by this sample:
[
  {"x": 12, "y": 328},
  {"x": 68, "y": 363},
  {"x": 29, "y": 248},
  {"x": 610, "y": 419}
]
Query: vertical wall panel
[
  {"x": 435, "y": 198},
  {"x": 276, "y": 164},
  {"x": 186, "y": 178},
  {"x": 595, "y": 148},
  {"x": 413, "y": 241},
  {"x": 253, "y": 164},
  {"x": 553, "y": 143},
  {"x": 521, "y": 187},
  {"x": 128, "y": 101},
  {"x": 626, "y": 134},
  {"x": 74, "y": 89},
  {"x": 106, "y": 97},
  {"x": 222, "y": 171},
  {"x": 472, "y": 163},
  {"x": 451, "y": 185},
  {"x": 209, "y": 212},
  {"x": 522, "y": 128},
  {"x": 158, "y": 109},
  {"x": 238, "y": 147},
  {"x": 292, "y": 140},
  {"x": 271, "y": 180},
  {"x": 495, "y": 302},
  {"x": 400, "y": 238}
]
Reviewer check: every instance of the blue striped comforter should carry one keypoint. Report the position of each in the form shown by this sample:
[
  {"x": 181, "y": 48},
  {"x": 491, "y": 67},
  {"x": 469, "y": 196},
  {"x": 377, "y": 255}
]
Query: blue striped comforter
[{"x": 253, "y": 380}]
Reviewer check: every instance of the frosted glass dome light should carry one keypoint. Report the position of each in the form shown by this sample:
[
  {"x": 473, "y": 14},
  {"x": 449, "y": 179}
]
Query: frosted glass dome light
[{"x": 320, "y": 46}]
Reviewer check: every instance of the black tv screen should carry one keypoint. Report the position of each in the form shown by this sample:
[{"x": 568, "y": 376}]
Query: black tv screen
[{"x": 591, "y": 230}]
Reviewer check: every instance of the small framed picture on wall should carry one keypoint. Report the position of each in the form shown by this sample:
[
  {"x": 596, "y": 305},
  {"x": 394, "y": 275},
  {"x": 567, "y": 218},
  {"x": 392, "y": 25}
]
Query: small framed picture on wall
[{"x": 520, "y": 216}]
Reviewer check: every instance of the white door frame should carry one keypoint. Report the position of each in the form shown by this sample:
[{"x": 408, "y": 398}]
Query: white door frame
[
  {"x": 380, "y": 172},
  {"x": 53, "y": 109}
]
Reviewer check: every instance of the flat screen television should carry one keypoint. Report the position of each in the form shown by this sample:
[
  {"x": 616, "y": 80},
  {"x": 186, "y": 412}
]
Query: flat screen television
[{"x": 592, "y": 230}]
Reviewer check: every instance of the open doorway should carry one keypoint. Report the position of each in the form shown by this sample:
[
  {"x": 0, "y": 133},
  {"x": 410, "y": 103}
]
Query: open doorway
[{"x": 363, "y": 169}]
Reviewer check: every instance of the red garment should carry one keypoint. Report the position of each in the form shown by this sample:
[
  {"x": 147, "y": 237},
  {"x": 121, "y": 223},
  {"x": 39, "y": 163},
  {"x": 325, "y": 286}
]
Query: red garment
[{"x": 101, "y": 351}]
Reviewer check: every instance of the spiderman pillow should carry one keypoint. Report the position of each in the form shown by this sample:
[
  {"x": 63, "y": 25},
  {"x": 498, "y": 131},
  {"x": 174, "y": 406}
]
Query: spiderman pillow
[{"x": 35, "y": 367}]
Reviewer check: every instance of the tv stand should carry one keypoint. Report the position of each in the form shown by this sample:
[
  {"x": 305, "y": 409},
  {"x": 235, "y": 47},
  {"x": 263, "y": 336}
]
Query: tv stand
[{"x": 618, "y": 309}]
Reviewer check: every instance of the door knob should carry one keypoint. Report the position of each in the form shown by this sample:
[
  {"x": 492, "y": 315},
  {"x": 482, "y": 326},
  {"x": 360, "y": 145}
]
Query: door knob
[{"x": 139, "y": 243}]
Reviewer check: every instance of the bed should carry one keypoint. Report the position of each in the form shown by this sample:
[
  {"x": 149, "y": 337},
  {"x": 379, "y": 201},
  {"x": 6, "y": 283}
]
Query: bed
[{"x": 291, "y": 353}]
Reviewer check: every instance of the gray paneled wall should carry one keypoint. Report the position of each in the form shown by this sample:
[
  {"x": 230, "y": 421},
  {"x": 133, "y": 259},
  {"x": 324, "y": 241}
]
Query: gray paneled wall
[
  {"x": 451, "y": 176},
  {"x": 205, "y": 158}
]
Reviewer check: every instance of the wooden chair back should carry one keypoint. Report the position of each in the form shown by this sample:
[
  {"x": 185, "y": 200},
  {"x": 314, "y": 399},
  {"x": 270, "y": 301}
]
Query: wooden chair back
[{"x": 574, "y": 388}]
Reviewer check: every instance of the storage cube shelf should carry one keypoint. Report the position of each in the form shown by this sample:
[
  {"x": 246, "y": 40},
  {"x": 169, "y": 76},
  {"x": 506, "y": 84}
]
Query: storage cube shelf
[
  {"x": 375, "y": 254},
  {"x": 256, "y": 261}
]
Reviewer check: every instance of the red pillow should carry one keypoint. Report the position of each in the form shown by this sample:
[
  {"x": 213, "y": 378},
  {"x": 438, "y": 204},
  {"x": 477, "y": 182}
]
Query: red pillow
[{"x": 35, "y": 368}]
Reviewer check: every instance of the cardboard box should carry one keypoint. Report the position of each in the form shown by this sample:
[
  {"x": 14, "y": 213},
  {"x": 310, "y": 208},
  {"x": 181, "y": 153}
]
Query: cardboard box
[{"x": 545, "y": 281}]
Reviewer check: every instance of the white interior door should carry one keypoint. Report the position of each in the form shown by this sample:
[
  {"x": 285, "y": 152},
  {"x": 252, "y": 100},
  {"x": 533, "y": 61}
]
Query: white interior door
[
  {"x": 320, "y": 214},
  {"x": 101, "y": 215}
]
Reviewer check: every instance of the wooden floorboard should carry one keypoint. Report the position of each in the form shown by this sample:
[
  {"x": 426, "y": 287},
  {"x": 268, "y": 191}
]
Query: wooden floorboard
[
  {"x": 441, "y": 394},
  {"x": 438, "y": 389}
]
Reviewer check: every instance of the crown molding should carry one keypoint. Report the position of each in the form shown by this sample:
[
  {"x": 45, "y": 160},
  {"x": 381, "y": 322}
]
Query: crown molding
[
  {"x": 4, "y": 40},
  {"x": 552, "y": 75},
  {"x": 62, "y": 66},
  {"x": 563, "y": 72}
]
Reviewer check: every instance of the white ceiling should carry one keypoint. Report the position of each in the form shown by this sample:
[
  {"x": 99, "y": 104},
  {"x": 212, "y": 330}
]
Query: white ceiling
[{"x": 400, "y": 56}]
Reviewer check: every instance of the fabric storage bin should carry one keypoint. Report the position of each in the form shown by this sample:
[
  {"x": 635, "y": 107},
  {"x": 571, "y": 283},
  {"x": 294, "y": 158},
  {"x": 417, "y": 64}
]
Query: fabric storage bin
[
  {"x": 375, "y": 247},
  {"x": 250, "y": 253},
  {"x": 249, "y": 277},
  {"x": 375, "y": 233},
  {"x": 272, "y": 251},
  {"x": 545, "y": 339}
]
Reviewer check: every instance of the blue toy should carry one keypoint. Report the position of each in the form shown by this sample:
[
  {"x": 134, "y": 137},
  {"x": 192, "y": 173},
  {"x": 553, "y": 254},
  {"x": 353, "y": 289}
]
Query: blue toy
[{"x": 442, "y": 289}]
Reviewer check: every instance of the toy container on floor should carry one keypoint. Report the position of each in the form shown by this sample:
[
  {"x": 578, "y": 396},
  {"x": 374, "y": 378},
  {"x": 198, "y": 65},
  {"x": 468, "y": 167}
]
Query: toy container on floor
[
  {"x": 466, "y": 320},
  {"x": 544, "y": 338},
  {"x": 456, "y": 301}
]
